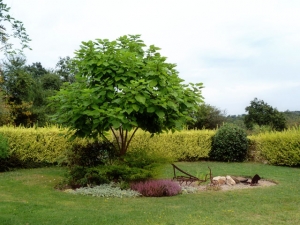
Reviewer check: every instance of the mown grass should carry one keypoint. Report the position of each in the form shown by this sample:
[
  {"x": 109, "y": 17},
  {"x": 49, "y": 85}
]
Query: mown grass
[{"x": 28, "y": 197}]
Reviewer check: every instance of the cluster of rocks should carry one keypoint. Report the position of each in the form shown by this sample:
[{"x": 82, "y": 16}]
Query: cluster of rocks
[{"x": 228, "y": 180}]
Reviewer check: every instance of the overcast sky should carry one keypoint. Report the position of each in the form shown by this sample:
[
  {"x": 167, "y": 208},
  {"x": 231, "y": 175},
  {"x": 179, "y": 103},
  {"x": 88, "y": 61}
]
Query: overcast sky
[{"x": 239, "y": 49}]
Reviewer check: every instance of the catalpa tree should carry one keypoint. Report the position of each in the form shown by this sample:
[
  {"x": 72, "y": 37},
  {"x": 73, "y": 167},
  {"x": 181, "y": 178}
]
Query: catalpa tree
[{"x": 123, "y": 86}]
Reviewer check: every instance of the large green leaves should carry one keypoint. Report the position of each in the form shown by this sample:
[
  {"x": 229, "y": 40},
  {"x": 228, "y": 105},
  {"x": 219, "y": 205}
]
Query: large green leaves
[{"x": 121, "y": 85}]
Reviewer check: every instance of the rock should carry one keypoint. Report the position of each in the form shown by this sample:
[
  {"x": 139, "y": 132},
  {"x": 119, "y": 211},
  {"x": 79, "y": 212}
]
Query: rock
[
  {"x": 230, "y": 181},
  {"x": 221, "y": 180}
]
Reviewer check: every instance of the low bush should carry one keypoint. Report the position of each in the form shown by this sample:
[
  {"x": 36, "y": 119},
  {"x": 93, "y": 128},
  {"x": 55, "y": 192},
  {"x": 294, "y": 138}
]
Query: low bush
[
  {"x": 91, "y": 154},
  {"x": 79, "y": 176},
  {"x": 126, "y": 173},
  {"x": 157, "y": 188},
  {"x": 107, "y": 190},
  {"x": 230, "y": 144}
]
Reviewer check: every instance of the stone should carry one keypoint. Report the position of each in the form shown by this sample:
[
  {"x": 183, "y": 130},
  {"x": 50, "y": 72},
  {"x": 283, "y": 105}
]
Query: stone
[
  {"x": 221, "y": 180},
  {"x": 230, "y": 181}
]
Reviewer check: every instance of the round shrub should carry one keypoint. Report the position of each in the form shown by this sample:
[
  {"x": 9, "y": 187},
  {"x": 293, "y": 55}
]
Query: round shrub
[{"x": 229, "y": 144}]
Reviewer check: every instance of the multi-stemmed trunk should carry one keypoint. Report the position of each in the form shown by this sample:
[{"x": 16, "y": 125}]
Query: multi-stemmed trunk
[{"x": 123, "y": 139}]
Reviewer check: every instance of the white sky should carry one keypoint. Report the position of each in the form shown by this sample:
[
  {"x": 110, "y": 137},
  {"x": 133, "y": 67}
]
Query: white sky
[{"x": 239, "y": 49}]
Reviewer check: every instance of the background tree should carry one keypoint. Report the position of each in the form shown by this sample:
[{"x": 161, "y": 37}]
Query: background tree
[
  {"x": 292, "y": 118},
  {"x": 237, "y": 120},
  {"x": 26, "y": 89},
  {"x": 66, "y": 69},
  {"x": 261, "y": 113},
  {"x": 17, "y": 30},
  {"x": 208, "y": 117},
  {"x": 122, "y": 86}
]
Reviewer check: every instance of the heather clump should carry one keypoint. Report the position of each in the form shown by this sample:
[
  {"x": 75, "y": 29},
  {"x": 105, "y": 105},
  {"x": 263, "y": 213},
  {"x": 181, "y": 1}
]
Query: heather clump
[{"x": 157, "y": 188}]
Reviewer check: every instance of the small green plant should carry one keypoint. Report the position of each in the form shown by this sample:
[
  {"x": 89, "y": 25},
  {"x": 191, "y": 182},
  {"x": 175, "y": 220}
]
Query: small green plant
[{"x": 229, "y": 144}]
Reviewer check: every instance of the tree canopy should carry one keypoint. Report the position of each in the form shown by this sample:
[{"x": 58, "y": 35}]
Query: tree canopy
[
  {"x": 208, "y": 117},
  {"x": 261, "y": 113},
  {"x": 17, "y": 30},
  {"x": 123, "y": 85}
]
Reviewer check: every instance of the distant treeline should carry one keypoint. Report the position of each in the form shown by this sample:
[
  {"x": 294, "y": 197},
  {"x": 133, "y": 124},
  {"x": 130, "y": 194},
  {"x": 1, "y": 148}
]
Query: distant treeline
[{"x": 292, "y": 118}]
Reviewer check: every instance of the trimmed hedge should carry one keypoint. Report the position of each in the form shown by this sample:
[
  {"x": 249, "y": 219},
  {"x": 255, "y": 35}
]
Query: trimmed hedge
[
  {"x": 40, "y": 145},
  {"x": 277, "y": 148},
  {"x": 187, "y": 145},
  {"x": 49, "y": 145},
  {"x": 35, "y": 147}
]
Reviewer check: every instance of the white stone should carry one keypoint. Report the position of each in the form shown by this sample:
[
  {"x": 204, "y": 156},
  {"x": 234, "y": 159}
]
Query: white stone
[
  {"x": 220, "y": 180},
  {"x": 230, "y": 181}
]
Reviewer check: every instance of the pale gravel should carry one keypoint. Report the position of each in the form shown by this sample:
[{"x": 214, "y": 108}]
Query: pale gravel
[{"x": 261, "y": 184}]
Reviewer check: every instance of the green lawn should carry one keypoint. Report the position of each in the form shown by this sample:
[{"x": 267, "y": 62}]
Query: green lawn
[{"x": 28, "y": 197}]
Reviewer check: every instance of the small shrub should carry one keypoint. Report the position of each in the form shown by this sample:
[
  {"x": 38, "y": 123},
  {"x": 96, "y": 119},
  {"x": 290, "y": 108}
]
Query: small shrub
[
  {"x": 91, "y": 154},
  {"x": 157, "y": 188},
  {"x": 80, "y": 176},
  {"x": 229, "y": 144},
  {"x": 123, "y": 172}
]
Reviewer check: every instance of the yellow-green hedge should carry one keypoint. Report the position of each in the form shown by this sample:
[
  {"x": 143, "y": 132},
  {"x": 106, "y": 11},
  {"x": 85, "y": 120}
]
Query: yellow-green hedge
[
  {"x": 278, "y": 148},
  {"x": 36, "y": 144},
  {"x": 184, "y": 145},
  {"x": 50, "y": 145}
]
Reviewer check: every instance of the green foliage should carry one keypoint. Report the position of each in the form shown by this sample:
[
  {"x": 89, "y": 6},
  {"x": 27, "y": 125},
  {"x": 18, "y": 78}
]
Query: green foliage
[
  {"x": 91, "y": 154},
  {"x": 4, "y": 147},
  {"x": 26, "y": 89},
  {"x": 261, "y": 113},
  {"x": 237, "y": 120},
  {"x": 292, "y": 118},
  {"x": 17, "y": 31},
  {"x": 277, "y": 148},
  {"x": 37, "y": 145},
  {"x": 207, "y": 117},
  {"x": 121, "y": 86},
  {"x": 79, "y": 176},
  {"x": 229, "y": 144},
  {"x": 66, "y": 69},
  {"x": 124, "y": 172},
  {"x": 187, "y": 145}
]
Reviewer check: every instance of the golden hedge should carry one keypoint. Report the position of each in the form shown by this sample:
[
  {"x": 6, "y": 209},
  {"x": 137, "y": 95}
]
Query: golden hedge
[
  {"x": 278, "y": 148},
  {"x": 183, "y": 145}
]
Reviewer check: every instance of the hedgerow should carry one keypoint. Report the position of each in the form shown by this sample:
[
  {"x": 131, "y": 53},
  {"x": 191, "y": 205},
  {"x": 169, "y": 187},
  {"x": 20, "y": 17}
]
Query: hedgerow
[
  {"x": 187, "y": 145},
  {"x": 277, "y": 148},
  {"x": 50, "y": 145},
  {"x": 29, "y": 147}
]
